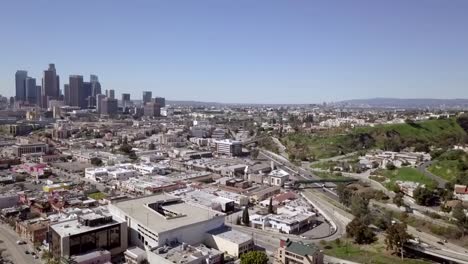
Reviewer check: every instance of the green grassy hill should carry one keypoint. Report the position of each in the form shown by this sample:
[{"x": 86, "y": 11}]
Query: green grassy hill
[{"x": 421, "y": 135}]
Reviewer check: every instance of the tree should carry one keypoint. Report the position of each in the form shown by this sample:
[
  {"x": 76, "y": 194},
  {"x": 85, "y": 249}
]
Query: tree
[
  {"x": 245, "y": 216},
  {"x": 254, "y": 153},
  {"x": 151, "y": 146},
  {"x": 254, "y": 257},
  {"x": 398, "y": 199},
  {"x": 361, "y": 232},
  {"x": 344, "y": 194},
  {"x": 270, "y": 206},
  {"x": 390, "y": 166},
  {"x": 360, "y": 207},
  {"x": 396, "y": 236},
  {"x": 125, "y": 148},
  {"x": 459, "y": 214},
  {"x": 423, "y": 196},
  {"x": 96, "y": 161}
]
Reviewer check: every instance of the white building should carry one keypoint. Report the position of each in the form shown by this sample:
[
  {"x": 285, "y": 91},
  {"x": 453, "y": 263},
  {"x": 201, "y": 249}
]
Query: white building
[
  {"x": 230, "y": 241},
  {"x": 160, "y": 219},
  {"x": 228, "y": 147},
  {"x": 277, "y": 177}
]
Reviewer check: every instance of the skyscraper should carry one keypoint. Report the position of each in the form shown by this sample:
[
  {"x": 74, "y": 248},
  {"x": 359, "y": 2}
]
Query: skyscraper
[
  {"x": 147, "y": 97},
  {"x": 111, "y": 94},
  {"x": 20, "y": 80},
  {"x": 66, "y": 94},
  {"x": 109, "y": 106},
  {"x": 31, "y": 92},
  {"x": 161, "y": 101},
  {"x": 38, "y": 95},
  {"x": 95, "y": 85},
  {"x": 50, "y": 85},
  {"x": 125, "y": 99},
  {"x": 87, "y": 95},
  {"x": 152, "y": 109},
  {"x": 76, "y": 90},
  {"x": 99, "y": 99}
]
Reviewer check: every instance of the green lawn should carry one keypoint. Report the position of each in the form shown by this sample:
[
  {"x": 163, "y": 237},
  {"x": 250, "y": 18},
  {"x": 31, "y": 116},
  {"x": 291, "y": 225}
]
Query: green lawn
[
  {"x": 97, "y": 195},
  {"x": 407, "y": 174},
  {"x": 447, "y": 169},
  {"x": 352, "y": 252}
]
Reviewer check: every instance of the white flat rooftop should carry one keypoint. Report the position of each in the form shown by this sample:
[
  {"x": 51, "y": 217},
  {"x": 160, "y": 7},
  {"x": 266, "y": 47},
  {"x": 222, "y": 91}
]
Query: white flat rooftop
[{"x": 189, "y": 213}]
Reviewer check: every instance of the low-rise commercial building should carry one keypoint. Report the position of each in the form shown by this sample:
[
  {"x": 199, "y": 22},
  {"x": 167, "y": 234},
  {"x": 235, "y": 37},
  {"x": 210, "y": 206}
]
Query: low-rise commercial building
[
  {"x": 291, "y": 252},
  {"x": 160, "y": 219},
  {"x": 97, "y": 230}
]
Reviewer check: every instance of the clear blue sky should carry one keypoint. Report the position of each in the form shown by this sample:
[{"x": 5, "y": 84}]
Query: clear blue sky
[{"x": 264, "y": 51}]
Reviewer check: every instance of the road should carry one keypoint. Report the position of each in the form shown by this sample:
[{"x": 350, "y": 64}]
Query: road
[
  {"x": 13, "y": 251},
  {"x": 423, "y": 168},
  {"x": 448, "y": 249}
]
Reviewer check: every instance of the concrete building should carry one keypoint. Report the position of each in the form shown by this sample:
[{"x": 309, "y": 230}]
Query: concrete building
[
  {"x": 161, "y": 101},
  {"x": 291, "y": 252},
  {"x": 76, "y": 91},
  {"x": 125, "y": 99},
  {"x": 20, "y": 83},
  {"x": 186, "y": 254},
  {"x": 110, "y": 93},
  {"x": 147, "y": 95},
  {"x": 50, "y": 85},
  {"x": 99, "y": 99},
  {"x": 228, "y": 147},
  {"x": 161, "y": 219},
  {"x": 152, "y": 109},
  {"x": 31, "y": 90},
  {"x": 26, "y": 148},
  {"x": 109, "y": 106},
  {"x": 33, "y": 230},
  {"x": 135, "y": 255},
  {"x": 94, "y": 257},
  {"x": 97, "y": 230},
  {"x": 232, "y": 242}
]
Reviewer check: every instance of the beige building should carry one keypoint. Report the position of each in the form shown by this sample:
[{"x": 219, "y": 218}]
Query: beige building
[{"x": 291, "y": 252}]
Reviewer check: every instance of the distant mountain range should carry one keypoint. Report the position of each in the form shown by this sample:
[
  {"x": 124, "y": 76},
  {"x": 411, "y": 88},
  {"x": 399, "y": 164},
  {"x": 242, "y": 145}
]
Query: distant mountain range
[
  {"x": 393, "y": 103},
  {"x": 404, "y": 103}
]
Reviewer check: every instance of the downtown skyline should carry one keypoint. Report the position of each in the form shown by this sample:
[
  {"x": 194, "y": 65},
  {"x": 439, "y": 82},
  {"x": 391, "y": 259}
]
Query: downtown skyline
[{"x": 243, "y": 52}]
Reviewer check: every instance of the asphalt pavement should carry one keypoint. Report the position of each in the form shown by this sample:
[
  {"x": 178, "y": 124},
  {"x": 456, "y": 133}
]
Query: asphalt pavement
[{"x": 14, "y": 252}]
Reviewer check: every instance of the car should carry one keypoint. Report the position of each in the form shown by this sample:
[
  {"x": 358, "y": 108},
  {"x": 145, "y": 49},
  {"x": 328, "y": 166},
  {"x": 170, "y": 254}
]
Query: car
[
  {"x": 20, "y": 242},
  {"x": 26, "y": 252},
  {"x": 440, "y": 242}
]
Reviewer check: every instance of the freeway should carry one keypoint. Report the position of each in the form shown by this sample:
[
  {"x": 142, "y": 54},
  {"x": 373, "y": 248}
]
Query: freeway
[{"x": 340, "y": 217}]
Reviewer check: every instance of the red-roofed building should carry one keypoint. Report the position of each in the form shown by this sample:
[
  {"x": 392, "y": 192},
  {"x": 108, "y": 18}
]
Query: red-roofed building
[{"x": 461, "y": 192}]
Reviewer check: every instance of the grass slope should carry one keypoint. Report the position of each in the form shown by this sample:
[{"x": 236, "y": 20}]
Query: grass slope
[
  {"x": 406, "y": 174},
  {"x": 439, "y": 133}
]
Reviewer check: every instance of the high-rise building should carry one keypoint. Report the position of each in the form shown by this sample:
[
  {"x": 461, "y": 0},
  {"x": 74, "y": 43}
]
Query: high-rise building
[
  {"x": 109, "y": 106},
  {"x": 38, "y": 93},
  {"x": 50, "y": 85},
  {"x": 76, "y": 90},
  {"x": 66, "y": 94},
  {"x": 161, "y": 101},
  {"x": 111, "y": 94},
  {"x": 20, "y": 80},
  {"x": 152, "y": 109},
  {"x": 31, "y": 95},
  {"x": 125, "y": 99},
  {"x": 95, "y": 85},
  {"x": 99, "y": 98},
  {"x": 87, "y": 94},
  {"x": 147, "y": 95}
]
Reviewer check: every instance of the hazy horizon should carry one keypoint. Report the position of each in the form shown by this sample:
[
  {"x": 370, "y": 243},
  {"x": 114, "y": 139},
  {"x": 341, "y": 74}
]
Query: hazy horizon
[{"x": 244, "y": 51}]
